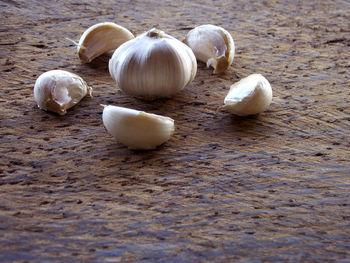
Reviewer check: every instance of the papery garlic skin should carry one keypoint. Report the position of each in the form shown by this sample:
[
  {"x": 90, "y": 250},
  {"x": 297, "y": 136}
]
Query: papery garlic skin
[
  {"x": 137, "y": 130},
  {"x": 249, "y": 96},
  {"x": 153, "y": 65},
  {"x": 212, "y": 45},
  {"x": 59, "y": 90},
  {"x": 101, "y": 38}
]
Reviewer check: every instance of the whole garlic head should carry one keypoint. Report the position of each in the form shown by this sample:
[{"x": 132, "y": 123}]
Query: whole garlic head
[
  {"x": 212, "y": 45},
  {"x": 153, "y": 65},
  {"x": 101, "y": 38},
  {"x": 59, "y": 90},
  {"x": 249, "y": 96},
  {"x": 137, "y": 130}
]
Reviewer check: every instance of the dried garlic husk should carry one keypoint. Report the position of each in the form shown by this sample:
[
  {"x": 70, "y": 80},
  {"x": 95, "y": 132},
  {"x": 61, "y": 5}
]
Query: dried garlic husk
[
  {"x": 59, "y": 90},
  {"x": 101, "y": 38},
  {"x": 249, "y": 96},
  {"x": 137, "y": 130},
  {"x": 212, "y": 45},
  {"x": 153, "y": 65}
]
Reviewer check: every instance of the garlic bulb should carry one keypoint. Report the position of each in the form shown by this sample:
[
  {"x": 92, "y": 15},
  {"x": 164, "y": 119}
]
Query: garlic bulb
[
  {"x": 101, "y": 38},
  {"x": 153, "y": 65},
  {"x": 59, "y": 90},
  {"x": 212, "y": 45},
  {"x": 137, "y": 129},
  {"x": 249, "y": 96}
]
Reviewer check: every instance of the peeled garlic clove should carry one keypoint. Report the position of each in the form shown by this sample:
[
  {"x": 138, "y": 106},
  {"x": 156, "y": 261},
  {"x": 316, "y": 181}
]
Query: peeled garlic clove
[
  {"x": 153, "y": 65},
  {"x": 101, "y": 38},
  {"x": 137, "y": 129},
  {"x": 249, "y": 96},
  {"x": 212, "y": 45},
  {"x": 59, "y": 90}
]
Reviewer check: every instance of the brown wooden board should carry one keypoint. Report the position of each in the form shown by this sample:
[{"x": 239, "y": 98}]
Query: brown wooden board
[{"x": 269, "y": 188}]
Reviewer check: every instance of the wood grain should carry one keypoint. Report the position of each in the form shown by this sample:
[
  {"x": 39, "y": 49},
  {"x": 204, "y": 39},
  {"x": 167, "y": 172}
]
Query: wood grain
[{"x": 268, "y": 188}]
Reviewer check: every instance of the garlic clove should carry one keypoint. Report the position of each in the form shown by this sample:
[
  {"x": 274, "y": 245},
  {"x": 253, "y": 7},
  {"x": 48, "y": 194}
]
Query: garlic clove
[
  {"x": 249, "y": 96},
  {"x": 59, "y": 90},
  {"x": 212, "y": 45},
  {"x": 153, "y": 65},
  {"x": 101, "y": 38},
  {"x": 137, "y": 130}
]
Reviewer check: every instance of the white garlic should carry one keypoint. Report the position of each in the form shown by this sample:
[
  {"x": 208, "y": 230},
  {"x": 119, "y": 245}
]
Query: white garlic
[
  {"x": 153, "y": 65},
  {"x": 212, "y": 45},
  {"x": 59, "y": 90},
  {"x": 249, "y": 96},
  {"x": 101, "y": 38},
  {"x": 137, "y": 129}
]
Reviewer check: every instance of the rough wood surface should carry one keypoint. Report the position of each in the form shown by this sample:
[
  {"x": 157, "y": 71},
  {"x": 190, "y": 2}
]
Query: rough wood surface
[{"x": 275, "y": 187}]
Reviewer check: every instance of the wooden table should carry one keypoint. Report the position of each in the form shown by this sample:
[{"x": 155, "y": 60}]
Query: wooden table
[{"x": 269, "y": 188}]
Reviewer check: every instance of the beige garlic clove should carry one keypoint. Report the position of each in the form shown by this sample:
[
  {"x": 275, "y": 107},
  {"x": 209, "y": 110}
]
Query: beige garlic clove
[
  {"x": 59, "y": 90},
  {"x": 101, "y": 38},
  {"x": 249, "y": 96},
  {"x": 137, "y": 130},
  {"x": 153, "y": 65},
  {"x": 212, "y": 45}
]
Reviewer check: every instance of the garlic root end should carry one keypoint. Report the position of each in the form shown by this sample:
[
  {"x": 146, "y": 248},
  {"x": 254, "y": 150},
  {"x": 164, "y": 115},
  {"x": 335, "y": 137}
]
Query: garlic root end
[{"x": 222, "y": 64}]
